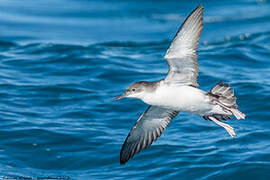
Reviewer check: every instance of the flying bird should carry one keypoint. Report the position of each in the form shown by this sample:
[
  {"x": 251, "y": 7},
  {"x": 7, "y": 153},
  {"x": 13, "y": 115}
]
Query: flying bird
[{"x": 178, "y": 92}]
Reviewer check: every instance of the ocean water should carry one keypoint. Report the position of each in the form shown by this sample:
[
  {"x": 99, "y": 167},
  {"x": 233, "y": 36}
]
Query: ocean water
[{"x": 62, "y": 63}]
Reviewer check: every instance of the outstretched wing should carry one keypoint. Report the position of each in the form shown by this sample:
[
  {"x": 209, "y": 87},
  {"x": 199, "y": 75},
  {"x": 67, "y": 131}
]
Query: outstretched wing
[
  {"x": 181, "y": 56},
  {"x": 146, "y": 130}
]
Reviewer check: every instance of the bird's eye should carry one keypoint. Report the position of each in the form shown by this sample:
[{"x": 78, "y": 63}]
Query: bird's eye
[{"x": 133, "y": 89}]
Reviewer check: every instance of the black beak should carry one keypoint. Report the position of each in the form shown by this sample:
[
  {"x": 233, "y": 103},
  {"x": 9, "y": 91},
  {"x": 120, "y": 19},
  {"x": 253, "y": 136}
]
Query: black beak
[{"x": 120, "y": 97}]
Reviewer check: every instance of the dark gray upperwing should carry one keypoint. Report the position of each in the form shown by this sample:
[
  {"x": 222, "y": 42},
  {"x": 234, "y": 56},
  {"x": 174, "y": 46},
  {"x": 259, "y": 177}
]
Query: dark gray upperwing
[
  {"x": 147, "y": 129},
  {"x": 181, "y": 55}
]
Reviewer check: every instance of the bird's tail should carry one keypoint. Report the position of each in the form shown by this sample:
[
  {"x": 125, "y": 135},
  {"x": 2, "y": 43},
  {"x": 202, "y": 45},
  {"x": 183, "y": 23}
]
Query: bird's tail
[{"x": 224, "y": 96}]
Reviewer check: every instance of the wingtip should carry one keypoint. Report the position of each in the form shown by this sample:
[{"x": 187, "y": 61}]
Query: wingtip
[
  {"x": 122, "y": 162},
  {"x": 200, "y": 6},
  {"x": 194, "y": 26},
  {"x": 122, "y": 159}
]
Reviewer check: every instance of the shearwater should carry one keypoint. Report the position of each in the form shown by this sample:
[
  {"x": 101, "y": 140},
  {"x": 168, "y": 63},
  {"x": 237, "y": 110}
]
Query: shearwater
[{"x": 178, "y": 92}]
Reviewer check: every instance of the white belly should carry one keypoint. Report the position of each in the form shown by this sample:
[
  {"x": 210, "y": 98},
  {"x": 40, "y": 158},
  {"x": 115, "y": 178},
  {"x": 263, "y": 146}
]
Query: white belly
[{"x": 180, "y": 98}]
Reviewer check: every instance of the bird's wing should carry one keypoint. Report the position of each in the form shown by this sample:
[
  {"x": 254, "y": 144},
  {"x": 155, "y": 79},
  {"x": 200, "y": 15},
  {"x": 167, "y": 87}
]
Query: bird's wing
[
  {"x": 147, "y": 129},
  {"x": 181, "y": 56}
]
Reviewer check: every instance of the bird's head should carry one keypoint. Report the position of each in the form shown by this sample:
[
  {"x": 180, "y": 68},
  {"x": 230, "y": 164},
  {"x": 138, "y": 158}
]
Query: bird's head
[{"x": 137, "y": 90}]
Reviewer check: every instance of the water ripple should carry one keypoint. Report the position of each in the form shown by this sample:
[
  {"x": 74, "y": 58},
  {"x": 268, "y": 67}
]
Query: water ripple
[{"x": 58, "y": 116}]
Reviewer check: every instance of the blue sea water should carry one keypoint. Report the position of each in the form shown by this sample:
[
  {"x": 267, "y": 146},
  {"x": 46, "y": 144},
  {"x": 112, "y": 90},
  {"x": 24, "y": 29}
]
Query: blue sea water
[{"x": 62, "y": 62}]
